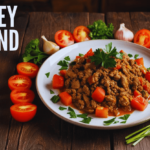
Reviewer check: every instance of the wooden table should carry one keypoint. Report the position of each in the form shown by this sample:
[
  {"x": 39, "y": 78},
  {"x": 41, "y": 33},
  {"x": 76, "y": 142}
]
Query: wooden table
[{"x": 46, "y": 131}]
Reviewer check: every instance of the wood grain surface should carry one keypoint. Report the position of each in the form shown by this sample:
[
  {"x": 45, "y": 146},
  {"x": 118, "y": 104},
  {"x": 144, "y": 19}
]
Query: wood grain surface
[{"x": 46, "y": 131}]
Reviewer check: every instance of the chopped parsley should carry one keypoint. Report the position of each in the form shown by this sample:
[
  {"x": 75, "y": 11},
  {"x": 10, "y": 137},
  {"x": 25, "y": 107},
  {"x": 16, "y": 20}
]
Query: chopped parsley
[
  {"x": 109, "y": 122},
  {"x": 116, "y": 122},
  {"x": 130, "y": 55},
  {"x": 55, "y": 99},
  {"x": 86, "y": 120},
  {"x": 71, "y": 113},
  {"x": 47, "y": 74},
  {"x": 136, "y": 56},
  {"x": 148, "y": 69},
  {"x": 81, "y": 54},
  {"x": 52, "y": 92},
  {"x": 62, "y": 108},
  {"x": 125, "y": 117},
  {"x": 63, "y": 64},
  {"x": 123, "y": 122},
  {"x": 82, "y": 115},
  {"x": 67, "y": 58},
  {"x": 148, "y": 102}
]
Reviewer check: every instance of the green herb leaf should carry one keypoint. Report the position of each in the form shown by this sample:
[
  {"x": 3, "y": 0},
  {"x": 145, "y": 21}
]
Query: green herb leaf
[
  {"x": 120, "y": 55},
  {"x": 123, "y": 122},
  {"x": 62, "y": 108},
  {"x": 115, "y": 122},
  {"x": 55, "y": 99},
  {"x": 63, "y": 64},
  {"x": 72, "y": 113},
  {"x": 136, "y": 55},
  {"x": 130, "y": 55},
  {"x": 67, "y": 58},
  {"x": 72, "y": 63},
  {"x": 125, "y": 117},
  {"x": 81, "y": 54},
  {"x": 47, "y": 74},
  {"x": 52, "y": 92},
  {"x": 108, "y": 122},
  {"x": 148, "y": 69},
  {"x": 86, "y": 120},
  {"x": 148, "y": 102},
  {"x": 63, "y": 68},
  {"x": 82, "y": 115}
]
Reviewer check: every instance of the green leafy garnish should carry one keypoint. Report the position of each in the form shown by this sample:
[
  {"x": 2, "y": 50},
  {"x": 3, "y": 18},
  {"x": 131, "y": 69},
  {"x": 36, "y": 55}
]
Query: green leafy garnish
[
  {"x": 52, "y": 92},
  {"x": 62, "y": 108},
  {"x": 72, "y": 63},
  {"x": 55, "y": 99},
  {"x": 108, "y": 122},
  {"x": 123, "y": 122},
  {"x": 125, "y": 117},
  {"x": 72, "y": 113},
  {"x": 136, "y": 55},
  {"x": 116, "y": 122},
  {"x": 81, "y": 54},
  {"x": 148, "y": 102},
  {"x": 86, "y": 120},
  {"x": 67, "y": 58},
  {"x": 32, "y": 53},
  {"x": 148, "y": 69},
  {"x": 130, "y": 55},
  {"x": 47, "y": 74},
  {"x": 82, "y": 115},
  {"x": 99, "y": 30},
  {"x": 63, "y": 64}
]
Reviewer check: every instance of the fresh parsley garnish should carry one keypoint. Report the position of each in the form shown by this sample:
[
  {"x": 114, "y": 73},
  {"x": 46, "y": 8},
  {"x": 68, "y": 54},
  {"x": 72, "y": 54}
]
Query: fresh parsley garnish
[
  {"x": 148, "y": 69},
  {"x": 55, "y": 99},
  {"x": 72, "y": 113},
  {"x": 123, "y": 122},
  {"x": 72, "y": 63},
  {"x": 136, "y": 56},
  {"x": 52, "y": 92},
  {"x": 62, "y": 108},
  {"x": 47, "y": 74},
  {"x": 108, "y": 122},
  {"x": 130, "y": 55},
  {"x": 148, "y": 102},
  {"x": 67, "y": 58},
  {"x": 63, "y": 64},
  {"x": 86, "y": 120},
  {"x": 116, "y": 122},
  {"x": 82, "y": 115},
  {"x": 81, "y": 54},
  {"x": 125, "y": 117}
]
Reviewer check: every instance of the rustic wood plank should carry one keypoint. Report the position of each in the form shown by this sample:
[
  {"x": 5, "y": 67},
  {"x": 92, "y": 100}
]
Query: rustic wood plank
[
  {"x": 133, "y": 21},
  {"x": 8, "y": 64}
]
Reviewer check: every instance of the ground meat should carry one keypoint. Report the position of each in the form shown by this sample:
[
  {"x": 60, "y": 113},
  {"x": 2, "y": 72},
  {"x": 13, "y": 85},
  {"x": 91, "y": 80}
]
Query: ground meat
[
  {"x": 111, "y": 100},
  {"x": 79, "y": 104},
  {"x": 124, "y": 101},
  {"x": 93, "y": 104},
  {"x": 70, "y": 74},
  {"x": 124, "y": 82},
  {"x": 86, "y": 100},
  {"x": 75, "y": 84},
  {"x": 86, "y": 90}
]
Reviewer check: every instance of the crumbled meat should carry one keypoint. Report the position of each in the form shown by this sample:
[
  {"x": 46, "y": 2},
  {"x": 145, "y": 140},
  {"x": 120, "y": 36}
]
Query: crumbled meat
[
  {"x": 124, "y": 101},
  {"x": 79, "y": 104},
  {"x": 111, "y": 100},
  {"x": 86, "y": 90},
  {"x": 75, "y": 84}
]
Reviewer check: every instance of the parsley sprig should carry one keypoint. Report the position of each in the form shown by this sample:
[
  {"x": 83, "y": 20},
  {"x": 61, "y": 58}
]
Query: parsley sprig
[
  {"x": 72, "y": 113},
  {"x": 64, "y": 63},
  {"x": 55, "y": 99}
]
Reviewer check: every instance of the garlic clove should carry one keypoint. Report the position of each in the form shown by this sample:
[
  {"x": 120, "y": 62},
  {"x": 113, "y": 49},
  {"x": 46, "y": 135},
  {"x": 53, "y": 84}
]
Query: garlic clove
[{"x": 49, "y": 47}]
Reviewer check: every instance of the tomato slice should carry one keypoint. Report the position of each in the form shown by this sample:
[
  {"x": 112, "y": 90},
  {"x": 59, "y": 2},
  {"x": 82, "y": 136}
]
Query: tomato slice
[
  {"x": 140, "y": 61},
  {"x": 136, "y": 93},
  {"x": 101, "y": 112},
  {"x": 147, "y": 76},
  {"x": 64, "y": 38},
  {"x": 142, "y": 37},
  {"x": 63, "y": 72},
  {"x": 89, "y": 53},
  {"x": 28, "y": 69},
  {"x": 22, "y": 96},
  {"x": 58, "y": 82},
  {"x": 23, "y": 112},
  {"x": 81, "y": 33},
  {"x": 19, "y": 82},
  {"x": 139, "y": 103}
]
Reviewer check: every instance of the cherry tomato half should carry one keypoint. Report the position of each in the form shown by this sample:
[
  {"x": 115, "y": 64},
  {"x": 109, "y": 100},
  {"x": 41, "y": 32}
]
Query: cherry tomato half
[
  {"x": 81, "y": 33},
  {"x": 22, "y": 96},
  {"x": 64, "y": 38},
  {"x": 19, "y": 82},
  {"x": 23, "y": 112},
  {"x": 142, "y": 37},
  {"x": 147, "y": 76},
  {"x": 28, "y": 69}
]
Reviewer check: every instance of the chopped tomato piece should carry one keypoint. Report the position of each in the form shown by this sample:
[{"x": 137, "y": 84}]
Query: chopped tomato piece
[
  {"x": 118, "y": 67},
  {"x": 142, "y": 37},
  {"x": 137, "y": 93},
  {"x": 27, "y": 69},
  {"x": 64, "y": 38},
  {"x": 19, "y": 82},
  {"x": 63, "y": 72},
  {"x": 140, "y": 61},
  {"x": 146, "y": 88},
  {"x": 147, "y": 76},
  {"x": 141, "y": 80},
  {"x": 65, "y": 98},
  {"x": 99, "y": 94},
  {"x": 23, "y": 112},
  {"x": 81, "y": 33},
  {"x": 139, "y": 103},
  {"x": 58, "y": 82},
  {"x": 121, "y": 51},
  {"x": 78, "y": 57},
  {"x": 89, "y": 53},
  {"x": 88, "y": 60},
  {"x": 22, "y": 96},
  {"x": 101, "y": 112}
]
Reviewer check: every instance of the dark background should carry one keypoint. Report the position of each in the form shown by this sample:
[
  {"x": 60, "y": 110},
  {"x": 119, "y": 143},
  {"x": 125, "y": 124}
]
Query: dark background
[{"x": 79, "y": 5}]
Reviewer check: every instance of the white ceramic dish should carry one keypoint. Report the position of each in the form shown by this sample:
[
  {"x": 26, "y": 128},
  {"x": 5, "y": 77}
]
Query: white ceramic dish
[{"x": 43, "y": 84}]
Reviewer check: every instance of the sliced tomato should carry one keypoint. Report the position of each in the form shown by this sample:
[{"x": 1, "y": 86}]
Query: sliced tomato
[
  {"x": 64, "y": 38},
  {"x": 65, "y": 98},
  {"x": 58, "y": 82},
  {"x": 89, "y": 53},
  {"x": 81, "y": 33},
  {"x": 147, "y": 76},
  {"x": 78, "y": 57},
  {"x": 27, "y": 69},
  {"x": 63, "y": 72},
  {"x": 19, "y": 82},
  {"x": 142, "y": 37},
  {"x": 136, "y": 93},
  {"x": 140, "y": 61},
  {"x": 23, "y": 112},
  {"x": 101, "y": 112},
  {"x": 139, "y": 103},
  {"x": 22, "y": 96},
  {"x": 118, "y": 67}
]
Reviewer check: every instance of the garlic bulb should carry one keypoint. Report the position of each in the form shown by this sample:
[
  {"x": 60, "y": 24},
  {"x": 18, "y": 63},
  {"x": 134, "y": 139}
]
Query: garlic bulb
[
  {"x": 124, "y": 34},
  {"x": 49, "y": 47}
]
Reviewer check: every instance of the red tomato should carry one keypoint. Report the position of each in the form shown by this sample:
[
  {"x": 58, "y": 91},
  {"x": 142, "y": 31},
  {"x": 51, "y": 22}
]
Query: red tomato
[
  {"x": 78, "y": 57},
  {"x": 140, "y": 61},
  {"x": 118, "y": 67},
  {"x": 101, "y": 112},
  {"x": 63, "y": 72},
  {"x": 89, "y": 53},
  {"x": 23, "y": 112},
  {"x": 27, "y": 69},
  {"x": 22, "y": 96},
  {"x": 19, "y": 82},
  {"x": 64, "y": 38},
  {"x": 99, "y": 94},
  {"x": 147, "y": 76},
  {"x": 65, "y": 98},
  {"x": 81, "y": 33},
  {"x": 58, "y": 82},
  {"x": 137, "y": 93},
  {"x": 139, "y": 103},
  {"x": 146, "y": 88},
  {"x": 141, "y": 80},
  {"x": 142, "y": 37}
]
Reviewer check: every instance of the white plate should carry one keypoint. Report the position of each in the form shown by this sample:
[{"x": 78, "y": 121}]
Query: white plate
[{"x": 43, "y": 84}]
